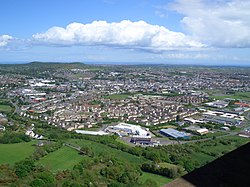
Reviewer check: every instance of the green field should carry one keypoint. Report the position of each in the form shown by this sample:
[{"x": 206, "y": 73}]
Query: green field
[
  {"x": 123, "y": 142},
  {"x": 5, "y": 108},
  {"x": 160, "y": 180},
  {"x": 236, "y": 95},
  {"x": 63, "y": 158},
  {"x": 11, "y": 153},
  {"x": 166, "y": 165},
  {"x": 104, "y": 149},
  {"x": 217, "y": 149},
  {"x": 202, "y": 157}
]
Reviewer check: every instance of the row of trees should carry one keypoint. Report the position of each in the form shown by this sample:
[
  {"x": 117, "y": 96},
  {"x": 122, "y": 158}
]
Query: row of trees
[
  {"x": 49, "y": 147},
  {"x": 11, "y": 137}
]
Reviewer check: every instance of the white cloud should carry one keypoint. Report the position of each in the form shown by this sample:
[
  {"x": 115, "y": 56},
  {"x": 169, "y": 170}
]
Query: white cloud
[
  {"x": 179, "y": 55},
  {"x": 124, "y": 34},
  {"x": 218, "y": 23},
  {"x": 4, "y": 40}
]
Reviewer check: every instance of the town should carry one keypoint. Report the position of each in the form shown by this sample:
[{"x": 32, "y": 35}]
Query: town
[
  {"x": 155, "y": 98},
  {"x": 126, "y": 107}
]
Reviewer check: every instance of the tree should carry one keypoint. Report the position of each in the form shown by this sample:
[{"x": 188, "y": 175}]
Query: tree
[
  {"x": 173, "y": 172},
  {"x": 112, "y": 172},
  {"x": 37, "y": 183},
  {"x": 178, "y": 118},
  {"x": 23, "y": 168},
  {"x": 86, "y": 150},
  {"x": 46, "y": 177},
  {"x": 150, "y": 183}
]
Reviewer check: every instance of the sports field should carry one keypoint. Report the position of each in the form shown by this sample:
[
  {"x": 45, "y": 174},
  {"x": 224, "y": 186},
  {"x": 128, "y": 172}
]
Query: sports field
[{"x": 236, "y": 95}]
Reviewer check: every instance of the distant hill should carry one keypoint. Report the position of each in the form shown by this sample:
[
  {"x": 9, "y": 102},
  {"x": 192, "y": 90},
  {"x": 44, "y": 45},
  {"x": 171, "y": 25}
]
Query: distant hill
[
  {"x": 34, "y": 68},
  {"x": 39, "y": 62}
]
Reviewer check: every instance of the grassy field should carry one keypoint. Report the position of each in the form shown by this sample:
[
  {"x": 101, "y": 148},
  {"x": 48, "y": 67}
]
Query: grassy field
[
  {"x": 218, "y": 149},
  {"x": 166, "y": 165},
  {"x": 104, "y": 149},
  {"x": 236, "y": 95},
  {"x": 64, "y": 158},
  {"x": 5, "y": 108},
  {"x": 123, "y": 142},
  {"x": 160, "y": 180},
  {"x": 202, "y": 157},
  {"x": 11, "y": 153}
]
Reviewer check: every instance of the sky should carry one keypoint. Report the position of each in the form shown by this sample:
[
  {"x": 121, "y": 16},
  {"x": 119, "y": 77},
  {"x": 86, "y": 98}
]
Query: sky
[{"x": 126, "y": 31}]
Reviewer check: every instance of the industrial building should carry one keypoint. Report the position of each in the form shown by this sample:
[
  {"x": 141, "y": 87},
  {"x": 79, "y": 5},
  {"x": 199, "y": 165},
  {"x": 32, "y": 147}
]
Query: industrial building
[
  {"x": 222, "y": 118},
  {"x": 101, "y": 133},
  {"x": 218, "y": 104},
  {"x": 245, "y": 133},
  {"x": 142, "y": 140},
  {"x": 193, "y": 121},
  {"x": 124, "y": 129},
  {"x": 174, "y": 133},
  {"x": 197, "y": 130}
]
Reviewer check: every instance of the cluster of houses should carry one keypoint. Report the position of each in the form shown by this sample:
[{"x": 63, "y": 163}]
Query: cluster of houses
[
  {"x": 148, "y": 110},
  {"x": 3, "y": 122},
  {"x": 30, "y": 132},
  {"x": 9, "y": 81},
  {"x": 78, "y": 100}
]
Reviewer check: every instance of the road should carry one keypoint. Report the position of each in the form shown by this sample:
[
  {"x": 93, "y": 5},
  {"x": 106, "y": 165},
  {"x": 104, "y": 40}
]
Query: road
[{"x": 17, "y": 108}]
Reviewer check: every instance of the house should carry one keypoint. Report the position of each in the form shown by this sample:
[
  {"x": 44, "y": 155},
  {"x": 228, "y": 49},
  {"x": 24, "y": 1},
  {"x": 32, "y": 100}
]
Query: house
[{"x": 2, "y": 128}]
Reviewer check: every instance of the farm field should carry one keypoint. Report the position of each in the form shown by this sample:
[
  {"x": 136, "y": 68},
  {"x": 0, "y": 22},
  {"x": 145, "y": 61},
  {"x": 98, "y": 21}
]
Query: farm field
[
  {"x": 236, "y": 95},
  {"x": 63, "y": 158},
  {"x": 11, "y": 153},
  {"x": 104, "y": 149},
  {"x": 5, "y": 108},
  {"x": 210, "y": 150},
  {"x": 160, "y": 180}
]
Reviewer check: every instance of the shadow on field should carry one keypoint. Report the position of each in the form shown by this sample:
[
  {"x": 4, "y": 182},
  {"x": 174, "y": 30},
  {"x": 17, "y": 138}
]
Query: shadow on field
[{"x": 230, "y": 170}]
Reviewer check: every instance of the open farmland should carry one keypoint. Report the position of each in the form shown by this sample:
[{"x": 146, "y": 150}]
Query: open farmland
[
  {"x": 11, "y": 153},
  {"x": 64, "y": 158},
  {"x": 5, "y": 108},
  {"x": 104, "y": 149},
  {"x": 160, "y": 180}
]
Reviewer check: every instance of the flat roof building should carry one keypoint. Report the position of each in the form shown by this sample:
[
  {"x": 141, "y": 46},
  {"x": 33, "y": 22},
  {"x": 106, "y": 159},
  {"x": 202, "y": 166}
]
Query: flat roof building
[
  {"x": 128, "y": 129},
  {"x": 197, "y": 130},
  {"x": 143, "y": 140},
  {"x": 174, "y": 133},
  {"x": 91, "y": 132}
]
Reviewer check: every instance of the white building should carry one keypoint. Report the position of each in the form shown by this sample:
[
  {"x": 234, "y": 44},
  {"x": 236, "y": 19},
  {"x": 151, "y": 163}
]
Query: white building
[{"x": 129, "y": 129}]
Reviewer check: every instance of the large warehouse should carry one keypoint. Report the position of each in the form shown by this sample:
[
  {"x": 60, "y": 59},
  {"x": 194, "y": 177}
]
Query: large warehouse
[
  {"x": 127, "y": 129},
  {"x": 174, "y": 133}
]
